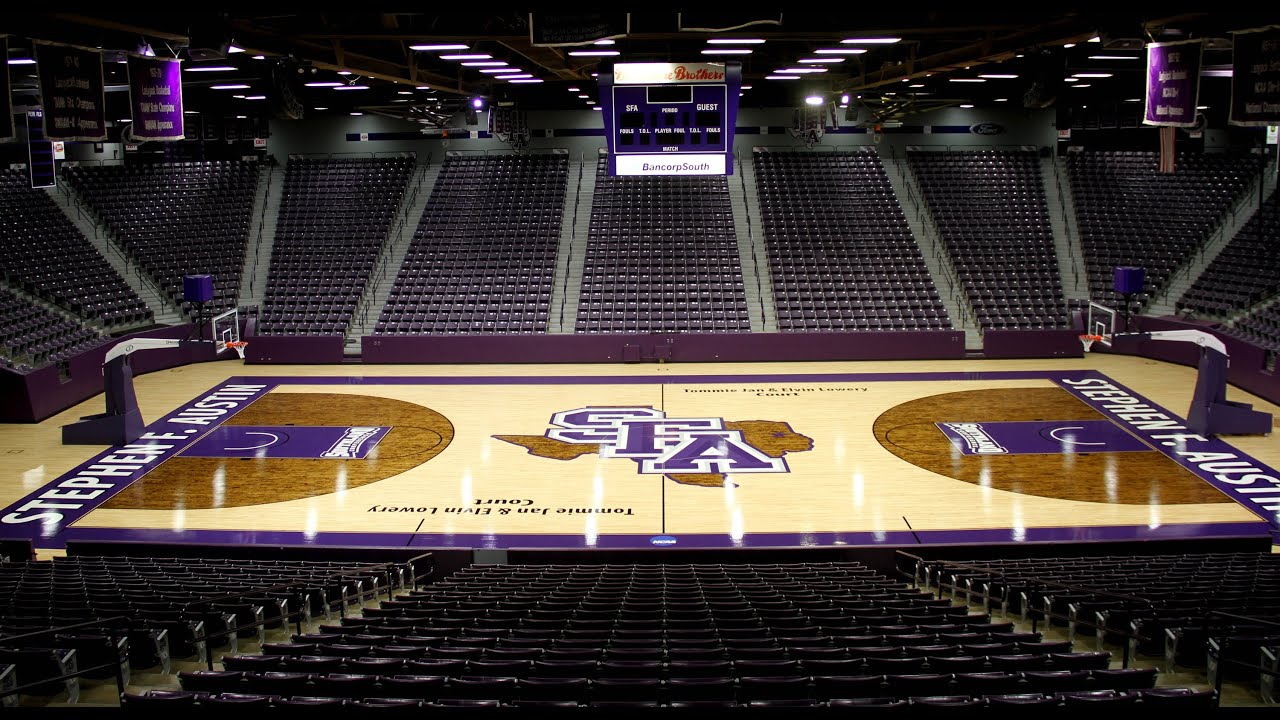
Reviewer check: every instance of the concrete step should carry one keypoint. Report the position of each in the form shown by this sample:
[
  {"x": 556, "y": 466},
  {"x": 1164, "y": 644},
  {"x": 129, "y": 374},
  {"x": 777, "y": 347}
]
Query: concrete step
[
  {"x": 262, "y": 236},
  {"x": 753, "y": 253},
  {"x": 1066, "y": 235}
]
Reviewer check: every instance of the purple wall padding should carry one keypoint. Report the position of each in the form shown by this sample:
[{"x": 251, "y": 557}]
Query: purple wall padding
[
  {"x": 682, "y": 347},
  {"x": 1031, "y": 344},
  {"x": 1247, "y": 370},
  {"x": 40, "y": 394},
  {"x": 295, "y": 350}
]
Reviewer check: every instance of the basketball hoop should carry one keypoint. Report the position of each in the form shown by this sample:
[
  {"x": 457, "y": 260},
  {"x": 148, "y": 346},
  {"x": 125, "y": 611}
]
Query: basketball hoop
[
  {"x": 1088, "y": 340},
  {"x": 238, "y": 346}
]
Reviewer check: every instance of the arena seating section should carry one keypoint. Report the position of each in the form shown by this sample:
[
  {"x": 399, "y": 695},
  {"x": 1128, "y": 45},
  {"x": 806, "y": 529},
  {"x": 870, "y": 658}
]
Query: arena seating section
[
  {"x": 661, "y": 256},
  {"x": 1129, "y": 214},
  {"x": 483, "y": 257},
  {"x": 178, "y": 218},
  {"x": 810, "y": 634},
  {"x": 32, "y": 336},
  {"x": 841, "y": 255},
  {"x": 1244, "y": 272},
  {"x": 1262, "y": 328},
  {"x": 335, "y": 216},
  {"x": 991, "y": 214},
  {"x": 44, "y": 254}
]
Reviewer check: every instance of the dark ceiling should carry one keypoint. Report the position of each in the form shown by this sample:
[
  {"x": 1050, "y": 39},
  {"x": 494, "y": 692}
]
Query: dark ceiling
[{"x": 283, "y": 51}]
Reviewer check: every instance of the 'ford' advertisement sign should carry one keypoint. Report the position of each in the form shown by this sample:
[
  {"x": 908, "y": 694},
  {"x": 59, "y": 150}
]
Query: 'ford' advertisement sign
[{"x": 986, "y": 129}]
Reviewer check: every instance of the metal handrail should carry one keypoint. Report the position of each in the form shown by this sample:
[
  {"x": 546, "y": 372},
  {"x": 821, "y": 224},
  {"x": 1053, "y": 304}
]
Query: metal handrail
[{"x": 1226, "y": 639}]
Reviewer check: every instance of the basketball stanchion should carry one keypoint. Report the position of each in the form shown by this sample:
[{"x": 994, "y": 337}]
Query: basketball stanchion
[{"x": 1088, "y": 340}]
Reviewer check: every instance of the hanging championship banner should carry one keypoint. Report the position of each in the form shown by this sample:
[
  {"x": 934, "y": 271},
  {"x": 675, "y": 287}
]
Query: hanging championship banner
[
  {"x": 155, "y": 97},
  {"x": 1173, "y": 83},
  {"x": 1255, "y": 77},
  {"x": 563, "y": 29},
  {"x": 6, "y": 100},
  {"x": 71, "y": 92}
]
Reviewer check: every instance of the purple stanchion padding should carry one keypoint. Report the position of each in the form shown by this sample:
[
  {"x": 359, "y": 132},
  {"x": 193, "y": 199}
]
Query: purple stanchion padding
[
  {"x": 1040, "y": 438},
  {"x": 288, "y": 441}
]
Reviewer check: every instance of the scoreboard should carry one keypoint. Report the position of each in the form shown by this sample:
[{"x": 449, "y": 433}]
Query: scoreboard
[{"x": 670, "y": 118}]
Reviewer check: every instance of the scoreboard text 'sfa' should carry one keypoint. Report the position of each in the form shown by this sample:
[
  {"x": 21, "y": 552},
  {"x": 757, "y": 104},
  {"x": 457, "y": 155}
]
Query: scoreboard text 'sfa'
[{"x": 670, "y": 118}]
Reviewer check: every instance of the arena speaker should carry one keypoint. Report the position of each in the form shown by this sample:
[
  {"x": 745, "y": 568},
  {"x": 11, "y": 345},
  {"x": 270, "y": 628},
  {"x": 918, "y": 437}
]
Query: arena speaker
[
  {"x": 1129, "y": 280},
  {"x": 197, "y": 288},
  {"x": 210, "y": 37}
]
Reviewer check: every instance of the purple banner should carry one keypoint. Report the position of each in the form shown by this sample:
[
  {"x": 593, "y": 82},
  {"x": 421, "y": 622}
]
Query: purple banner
[
  {"x": 155, "y": 98},
  {"x": 6, "y": 100},
  {"x": 71, "y": 92},
  {"x": 1040, "y": 438},
  {"x": 1244, "y": 479},
  {"x": 1255, "y": 77},
  {"x": 322, "y": 442},
  {"x": 1173, "y": 83}
]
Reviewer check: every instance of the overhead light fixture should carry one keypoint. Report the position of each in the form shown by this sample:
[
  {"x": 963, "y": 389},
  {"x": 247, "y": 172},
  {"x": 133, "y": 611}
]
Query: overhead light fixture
[
  {"x": 357, "y": 113},
  {"x": 473, "y": 56},
  {"x": 22, "y": 61},
  {"x": 745, "y": 87},
  {"x": 1093, "y": 75},
  {"x": 193, "y": 68},
  {"x": 844, "y": 99},
  {"x": 484, "y": 63},
  {"x": 517, "y": 76},
  {"x": 968, "y": 80},
  {"x": 734, "y": 41},
  {"x": 606, "y": 41},
  {"x": 1223, "y": 71},
  {"x": 593, "y": 53},
  {"x": 344, "y": 72},
  {"x": 228, "y": 87},
  {"x": 1202, "y": 107},
  {"x": 404, "y": 92},
  {"x": 584, "y": 97},
  {"x": 781, "y": 77},
  {"x": 916, "y": 85},
  {"x": 574, "y": 90},
  {"x": 323, "y": 84},
  {"x": 840, "y": 51},
  {"x": 190, "y": 112},
  {"x": 726, "y": 51},
  {"x": 595, "y": 74},
  {"x": 477, "y": 103},
  {"x": 492, "y": 70},
  {"x": 1096, "y": 39},
  {"x": 352, "y": 87},
  {"x": 1114, "y": 57},
  {"x": 319, "y": 108},
  {"x": 439, "y": 46},
  {"x": 1133, "y": 100},
  {"x": 966, "y": 106},
  {"x": 255, "y": 97},
  {"x": 233, "y": 49},
  {"x": 813, "y": 100},
  {"x": 597, "y": 108},
  {"x": 423, "y": 87},
  {"x": 999, "y": 77},
  {"x": 800, "y": 71},
  {"x": 126, "y": 120},
  {"x": 821, "y": 60},
  {"x": 1069, "y": 45},
  {"x": 259, "y": 57},
  {"x": 871, "y": 41},
  {"x": 526, "y": 80},
  {"x": 242, "y": 117},
  {"x": 1002, "y": 99},
  {"x": 1082, "y": 85}
]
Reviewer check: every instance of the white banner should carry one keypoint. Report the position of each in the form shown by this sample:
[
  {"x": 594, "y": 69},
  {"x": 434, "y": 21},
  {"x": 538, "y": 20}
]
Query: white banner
[{"x": 671, "y": 164}]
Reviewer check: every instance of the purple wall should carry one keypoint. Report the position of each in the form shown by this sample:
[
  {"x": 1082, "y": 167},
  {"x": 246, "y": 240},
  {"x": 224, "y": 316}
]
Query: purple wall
[
  {"x": 295, "y": 349},
  {"x": 1031, "y": 344},
  {"x": 40, "y": 394},
  {"x": 680, "y": 347}
]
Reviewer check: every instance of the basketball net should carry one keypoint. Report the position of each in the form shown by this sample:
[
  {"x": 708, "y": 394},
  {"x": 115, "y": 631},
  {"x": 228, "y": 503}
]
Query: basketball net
[
  {"x": 1088, "y": 340},
  {"x": 238, "y": 346}
]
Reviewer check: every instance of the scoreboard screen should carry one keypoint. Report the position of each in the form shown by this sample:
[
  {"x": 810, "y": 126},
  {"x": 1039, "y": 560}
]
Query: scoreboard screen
[{"x": 670, "y": 118}]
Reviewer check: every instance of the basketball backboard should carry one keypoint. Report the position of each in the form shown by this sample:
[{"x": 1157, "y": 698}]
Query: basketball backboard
[{"x": 1101, "y": 321}]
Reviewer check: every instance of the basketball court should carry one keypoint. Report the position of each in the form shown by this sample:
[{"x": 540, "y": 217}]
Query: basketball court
[{"x": 653, "y": 455}]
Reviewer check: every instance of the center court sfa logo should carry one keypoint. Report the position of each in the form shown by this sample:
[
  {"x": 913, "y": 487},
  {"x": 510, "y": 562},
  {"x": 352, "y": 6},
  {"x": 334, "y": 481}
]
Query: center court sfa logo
[
  {"x": 661, "y": 444},
  {"x": 351, "y": 442},
  {"x": 696, "y": 451}
]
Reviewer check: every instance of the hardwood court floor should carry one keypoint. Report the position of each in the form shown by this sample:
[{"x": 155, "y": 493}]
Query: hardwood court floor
[{"x": 755, "y": 454}]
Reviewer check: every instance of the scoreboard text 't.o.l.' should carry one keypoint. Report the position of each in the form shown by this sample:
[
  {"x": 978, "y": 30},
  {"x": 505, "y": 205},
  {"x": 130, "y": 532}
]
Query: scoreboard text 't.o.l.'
[{"x": 670, "y": 118}]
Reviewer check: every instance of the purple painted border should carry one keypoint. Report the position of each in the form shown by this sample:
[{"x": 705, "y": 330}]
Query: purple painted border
[
  {"x": 711, "y": 541},
  {"x": 1109, "y": 533}
]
